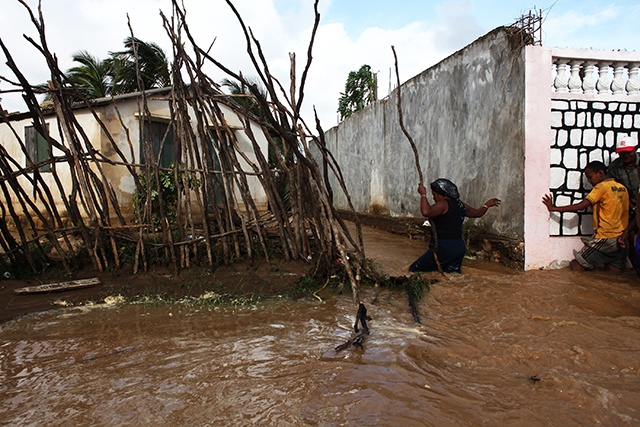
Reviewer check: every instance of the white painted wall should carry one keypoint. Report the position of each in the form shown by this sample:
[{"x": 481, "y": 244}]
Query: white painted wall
[{"x": 123, "y": 126}]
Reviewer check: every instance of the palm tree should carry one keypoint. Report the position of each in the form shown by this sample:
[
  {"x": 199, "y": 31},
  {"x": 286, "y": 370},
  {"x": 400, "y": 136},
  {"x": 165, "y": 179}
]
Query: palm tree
[
  {"x": 93, "y": 76},
  {"x": 246, "y": 101},
  {"x": 147, "y": 58},
  {"x": 97, "y": 78}
]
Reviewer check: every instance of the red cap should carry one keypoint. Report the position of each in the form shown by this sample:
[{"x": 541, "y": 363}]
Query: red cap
[{"x": 626, "y": 144}]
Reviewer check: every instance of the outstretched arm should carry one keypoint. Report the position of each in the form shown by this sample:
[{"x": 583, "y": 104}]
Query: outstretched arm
[
  {"x": 478, "y": 212},
  {"x": 548, "y": 202}
]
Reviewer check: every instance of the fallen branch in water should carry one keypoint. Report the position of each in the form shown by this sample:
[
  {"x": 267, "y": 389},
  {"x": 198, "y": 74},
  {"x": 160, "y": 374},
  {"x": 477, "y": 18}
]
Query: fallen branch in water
[
  {"x": 358, "y": 339},
  {"x": 415, "y": 286},
  {"x": 411, "y": 295},
  {"x": 355, "y": 341}
]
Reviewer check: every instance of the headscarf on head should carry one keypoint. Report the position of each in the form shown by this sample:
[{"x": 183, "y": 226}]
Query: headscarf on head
[{"x": 444, "y": 187}]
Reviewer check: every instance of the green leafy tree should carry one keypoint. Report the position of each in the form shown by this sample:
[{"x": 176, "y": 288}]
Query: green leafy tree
[{"x": 359, "y": 91}]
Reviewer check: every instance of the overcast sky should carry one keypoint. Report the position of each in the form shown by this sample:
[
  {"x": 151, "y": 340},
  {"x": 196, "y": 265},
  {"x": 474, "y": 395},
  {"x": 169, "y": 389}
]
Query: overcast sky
[{"x": 351, "y": 33}]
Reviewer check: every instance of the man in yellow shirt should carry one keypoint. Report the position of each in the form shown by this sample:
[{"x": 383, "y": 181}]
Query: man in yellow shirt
[{"x": 610, "y": 202}]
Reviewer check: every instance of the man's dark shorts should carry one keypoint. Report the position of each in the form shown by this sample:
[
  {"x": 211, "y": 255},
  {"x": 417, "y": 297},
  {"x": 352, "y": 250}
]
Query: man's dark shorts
[{"x": 598, "y": 252}]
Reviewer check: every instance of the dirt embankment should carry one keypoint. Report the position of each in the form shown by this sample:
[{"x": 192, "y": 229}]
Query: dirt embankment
[{"x": 238, "y": 279}]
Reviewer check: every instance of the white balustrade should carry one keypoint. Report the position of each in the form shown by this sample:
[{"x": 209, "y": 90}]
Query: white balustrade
[
  {"x": 575, "y": 82},
  {"x": 604, "y": 84},
  {"x": 596, "y": 76},
  {"x": 562, "y": 77},
  {"x": 633, "y": 84},
  {"x": 619, "y": 79},
  {"x": 590, "y": 77}
]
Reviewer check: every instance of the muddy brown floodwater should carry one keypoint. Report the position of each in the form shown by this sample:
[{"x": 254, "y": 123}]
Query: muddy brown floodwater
[{"x": 495, "y": 347}]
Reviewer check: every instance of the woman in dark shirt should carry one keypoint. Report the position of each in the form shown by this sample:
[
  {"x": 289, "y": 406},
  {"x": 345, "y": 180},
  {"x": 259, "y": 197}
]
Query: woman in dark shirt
[{"x": 447, "y": 215}]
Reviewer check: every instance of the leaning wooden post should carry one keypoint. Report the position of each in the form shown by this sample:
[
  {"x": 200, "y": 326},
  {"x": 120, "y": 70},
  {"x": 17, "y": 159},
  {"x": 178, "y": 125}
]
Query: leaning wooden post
[
  {"x": 416, "y": 157},
  {"x": 404, "y": 130}
]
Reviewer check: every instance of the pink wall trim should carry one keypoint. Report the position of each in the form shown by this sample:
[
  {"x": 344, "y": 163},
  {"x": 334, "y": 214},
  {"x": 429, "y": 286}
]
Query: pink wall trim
[{"x": 541, "y": 250}]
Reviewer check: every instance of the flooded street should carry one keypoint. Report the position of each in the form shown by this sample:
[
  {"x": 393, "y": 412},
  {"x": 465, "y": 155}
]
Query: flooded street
[{"x": 494, "y": 348}]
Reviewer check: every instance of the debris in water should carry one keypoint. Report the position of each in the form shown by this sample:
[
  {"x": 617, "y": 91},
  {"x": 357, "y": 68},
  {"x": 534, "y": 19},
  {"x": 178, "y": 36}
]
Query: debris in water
[
  {"x": 315, "y": 294},
  {"x": 358, "y": 339},
  {"x": 411, "y": 295},
  {"x": 61, "y": 286}
]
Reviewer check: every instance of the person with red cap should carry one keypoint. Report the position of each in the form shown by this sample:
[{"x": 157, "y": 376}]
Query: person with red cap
[{"x": 624, "y": 169}]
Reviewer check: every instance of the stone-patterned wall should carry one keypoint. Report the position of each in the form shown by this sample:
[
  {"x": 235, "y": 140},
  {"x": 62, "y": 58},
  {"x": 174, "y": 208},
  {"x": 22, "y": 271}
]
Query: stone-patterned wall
[{"x": 583, "y": 131}]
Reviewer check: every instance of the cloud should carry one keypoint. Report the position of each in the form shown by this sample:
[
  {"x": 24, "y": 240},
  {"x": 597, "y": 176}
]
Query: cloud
[
  {"x": 281, "y": 26},
  {"x": 97, "y": 26},
  {"x": 419, "y": 45},
  {"x": 457, "y": 25},
  {"x": 573, "y": 22},
  {"x": 284, "y": 26}
]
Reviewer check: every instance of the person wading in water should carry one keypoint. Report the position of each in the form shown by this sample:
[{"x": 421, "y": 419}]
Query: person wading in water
[{"x": 446, "y": 214}]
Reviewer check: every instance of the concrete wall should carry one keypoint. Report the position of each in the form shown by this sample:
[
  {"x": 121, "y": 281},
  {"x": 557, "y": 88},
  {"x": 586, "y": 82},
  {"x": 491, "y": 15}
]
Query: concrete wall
[
  {"x": 539, "y": 251},
  {"x": 466, "y": 116},
  {"x": 503, "y": 121}
]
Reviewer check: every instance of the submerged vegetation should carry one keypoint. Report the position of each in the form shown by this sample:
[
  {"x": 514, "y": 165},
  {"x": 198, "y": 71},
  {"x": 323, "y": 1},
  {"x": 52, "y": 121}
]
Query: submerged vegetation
[{"x": 200, "y": 289}]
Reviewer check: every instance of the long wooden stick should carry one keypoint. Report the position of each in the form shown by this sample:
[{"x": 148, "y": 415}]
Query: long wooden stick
[
  {"x": 416, "y": 157},
  {"x": 404, "y": 130}
]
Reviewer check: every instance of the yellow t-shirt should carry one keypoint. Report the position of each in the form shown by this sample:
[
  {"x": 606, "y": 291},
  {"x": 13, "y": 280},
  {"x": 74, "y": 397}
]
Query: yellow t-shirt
[{"x": 610, "y": 202}]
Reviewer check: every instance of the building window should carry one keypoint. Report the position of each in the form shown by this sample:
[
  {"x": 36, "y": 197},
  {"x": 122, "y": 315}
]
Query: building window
[
  {"x": 160, "y": 137},
  {"x": 37, "y": 147}
]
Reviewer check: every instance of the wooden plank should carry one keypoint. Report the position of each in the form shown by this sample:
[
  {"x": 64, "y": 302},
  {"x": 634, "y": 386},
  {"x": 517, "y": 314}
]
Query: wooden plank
[{"x": 56, "y": 287}]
